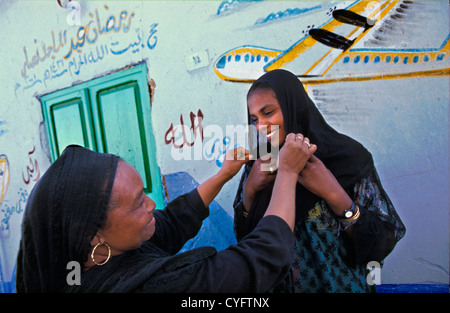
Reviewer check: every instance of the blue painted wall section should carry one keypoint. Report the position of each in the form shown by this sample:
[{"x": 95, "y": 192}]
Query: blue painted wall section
[
  {"x": 217, "y": 230},
  {"x": 413, "y": 288}
]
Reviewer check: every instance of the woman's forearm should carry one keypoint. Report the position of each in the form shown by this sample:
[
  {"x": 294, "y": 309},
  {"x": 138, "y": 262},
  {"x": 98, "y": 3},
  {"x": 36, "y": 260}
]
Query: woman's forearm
[
  {"x": 211, "y": 187},
  {"x": 282, "y": 203},
  {"x": 247, "y": 199},
  {"x": 340, "y": 201},
  {"x": 234, "y": 159}
]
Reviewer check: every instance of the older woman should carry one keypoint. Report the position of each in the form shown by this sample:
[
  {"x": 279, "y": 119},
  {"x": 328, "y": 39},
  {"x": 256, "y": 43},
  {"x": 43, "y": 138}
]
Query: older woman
[{"x": 91, "y": 208}]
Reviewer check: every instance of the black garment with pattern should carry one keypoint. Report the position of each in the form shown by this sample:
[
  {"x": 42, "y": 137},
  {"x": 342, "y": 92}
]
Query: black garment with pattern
[{"x": 348, "y": 160}]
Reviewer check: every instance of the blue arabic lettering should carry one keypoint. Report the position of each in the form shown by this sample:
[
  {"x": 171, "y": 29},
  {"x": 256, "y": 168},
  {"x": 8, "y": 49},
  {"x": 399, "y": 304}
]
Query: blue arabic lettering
[
  {"x": 111, "y": 25},
  {"x": 138, "y": 44},
  {"x": 47, "y": 52},
  {"x": 153, "y": 31},
  {"x": 8, "y": 211}
]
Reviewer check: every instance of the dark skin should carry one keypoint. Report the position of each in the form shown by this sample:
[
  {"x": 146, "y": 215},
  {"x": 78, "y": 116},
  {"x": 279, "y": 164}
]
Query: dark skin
[
  {"x": 130, "y": 221},
  {"x": 265, "y": 112}
]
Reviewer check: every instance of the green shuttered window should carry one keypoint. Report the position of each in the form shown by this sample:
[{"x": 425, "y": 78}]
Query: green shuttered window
[{"x": 109, "y": 114}]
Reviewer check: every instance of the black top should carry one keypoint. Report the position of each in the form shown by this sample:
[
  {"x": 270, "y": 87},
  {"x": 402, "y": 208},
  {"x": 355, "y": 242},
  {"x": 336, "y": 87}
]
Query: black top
[
  {"x": 69, "y": 204},
  {"x": 249, "y": 266}
]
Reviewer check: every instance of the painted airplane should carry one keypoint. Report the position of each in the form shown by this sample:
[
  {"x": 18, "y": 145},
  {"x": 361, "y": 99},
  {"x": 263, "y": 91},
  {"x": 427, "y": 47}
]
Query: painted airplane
[{"x": 365, "y": 40}]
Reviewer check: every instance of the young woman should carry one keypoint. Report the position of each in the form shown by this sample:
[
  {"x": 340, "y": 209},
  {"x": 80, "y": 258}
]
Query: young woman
[{"x": 344, "y": 218}]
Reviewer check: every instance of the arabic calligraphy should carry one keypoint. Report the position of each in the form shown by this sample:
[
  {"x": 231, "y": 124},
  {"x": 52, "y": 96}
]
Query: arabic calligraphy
[
  {"x": 77, "y": 56},
  {"x": 47, "y": 52},
  {"x": 170, "y": 136},
  {"x": 110, "y": 25},
  {"x": 219, "y": 148},
  {"x": 82, "y": 36},
  {"x": 9, "y": 210},
  {"x": 85, "y": 35},
  {"x": 135, "y": 46},
  {"x": 33, "y": 172}
]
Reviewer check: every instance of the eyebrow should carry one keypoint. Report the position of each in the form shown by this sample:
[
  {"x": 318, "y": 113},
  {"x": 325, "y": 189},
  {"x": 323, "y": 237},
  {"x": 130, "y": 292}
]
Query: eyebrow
[
  {"x": 263, "y": 108},
  {"x": 266, "y": 106},
  {"x": 137, "y": 199}
]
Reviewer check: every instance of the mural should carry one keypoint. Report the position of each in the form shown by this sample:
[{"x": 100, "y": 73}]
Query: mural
[
  {"x": 182, "y": 137},
  {"x": 196, "y": 129},
  {"x": 9, "y": 208},
  {"x": 365, "y": 40},
  {"x": 32, "y": 172},
  {"x": 61, "y": 55},
  {"x": 367, "y": 63}
]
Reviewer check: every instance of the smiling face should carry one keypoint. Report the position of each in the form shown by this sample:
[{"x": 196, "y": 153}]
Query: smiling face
[
  {"x": 130, "y": 221},
  {"x": 265, "y": 112}
]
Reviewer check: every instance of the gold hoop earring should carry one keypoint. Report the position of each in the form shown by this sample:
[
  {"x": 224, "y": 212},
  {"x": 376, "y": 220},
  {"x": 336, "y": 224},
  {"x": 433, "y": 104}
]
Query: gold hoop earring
[{"x": 109, "y": 253}]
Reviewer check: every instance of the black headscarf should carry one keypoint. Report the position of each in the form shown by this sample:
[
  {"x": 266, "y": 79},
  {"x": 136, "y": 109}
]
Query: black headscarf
[
  {"x": 66, "y": 208},
  {"x": 346, "y": 158},
  {"x": 64, "y": 212}
]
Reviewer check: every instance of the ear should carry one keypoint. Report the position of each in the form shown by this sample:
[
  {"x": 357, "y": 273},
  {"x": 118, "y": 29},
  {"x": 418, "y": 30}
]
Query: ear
[{"x": 98, "y": 239}]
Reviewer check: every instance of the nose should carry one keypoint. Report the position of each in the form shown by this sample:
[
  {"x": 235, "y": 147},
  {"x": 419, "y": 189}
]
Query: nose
[
  {"x": 262, "y": 126},
  {"x": 151, "y": 205}
]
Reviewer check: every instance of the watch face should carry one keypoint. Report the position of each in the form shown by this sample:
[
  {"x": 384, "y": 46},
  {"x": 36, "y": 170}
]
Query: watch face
[{"x": 348, "y": 214}]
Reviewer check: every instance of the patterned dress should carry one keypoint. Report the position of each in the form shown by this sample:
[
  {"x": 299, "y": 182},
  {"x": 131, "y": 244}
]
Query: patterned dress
[{"x": 326, "y": 259}]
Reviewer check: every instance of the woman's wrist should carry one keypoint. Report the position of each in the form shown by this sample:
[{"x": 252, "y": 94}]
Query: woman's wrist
[
  {"x": 209, "y": 189},
  {"x": 248, "y": 198},
  {"x": 339, "y": 201},
  {"x": 223, "y": 175},
  {"x": 282, "y": 202}
]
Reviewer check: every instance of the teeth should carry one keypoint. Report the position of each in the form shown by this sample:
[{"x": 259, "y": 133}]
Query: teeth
[{"x": 271, "y": 134}]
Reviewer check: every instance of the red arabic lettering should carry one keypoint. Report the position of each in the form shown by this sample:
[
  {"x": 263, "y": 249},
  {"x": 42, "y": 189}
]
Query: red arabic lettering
[
  {"x": 196, "y": 128},
  {"x": 33, "y": 172}
]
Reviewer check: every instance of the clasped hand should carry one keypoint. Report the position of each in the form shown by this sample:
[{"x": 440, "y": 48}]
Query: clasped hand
[
  {"x": 293, "y": 157},
  {"x": 234, "y": 159}
]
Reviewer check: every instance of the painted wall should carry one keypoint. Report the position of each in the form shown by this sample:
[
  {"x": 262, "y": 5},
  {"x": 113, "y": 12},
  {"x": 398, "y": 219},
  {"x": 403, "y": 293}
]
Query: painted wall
[{"x": 389, "y": 90}]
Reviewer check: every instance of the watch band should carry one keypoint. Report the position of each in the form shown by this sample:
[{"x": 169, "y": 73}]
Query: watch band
[
  {"x": 346, "y": 222},
  {"x": 349, "y": 213}
]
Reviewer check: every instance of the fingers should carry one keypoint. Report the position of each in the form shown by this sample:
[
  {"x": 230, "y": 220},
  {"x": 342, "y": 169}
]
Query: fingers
[
  {"x": 313, "y": 158},
  {"x": 239, "y": 154},
  {"x": 299, "y": 138},
  {"x": 292, "y": 137},
  {"x": 233, "y": 161}
]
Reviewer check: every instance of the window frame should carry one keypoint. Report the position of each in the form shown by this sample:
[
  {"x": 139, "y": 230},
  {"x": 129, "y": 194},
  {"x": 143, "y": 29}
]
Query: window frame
[{"x": 87, "y": 95}]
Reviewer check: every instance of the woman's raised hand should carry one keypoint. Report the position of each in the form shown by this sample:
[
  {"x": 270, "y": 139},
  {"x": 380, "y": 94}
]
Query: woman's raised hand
[
  {"x": 295, "y": 152},
  {"x": 234, "y": 159}
]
